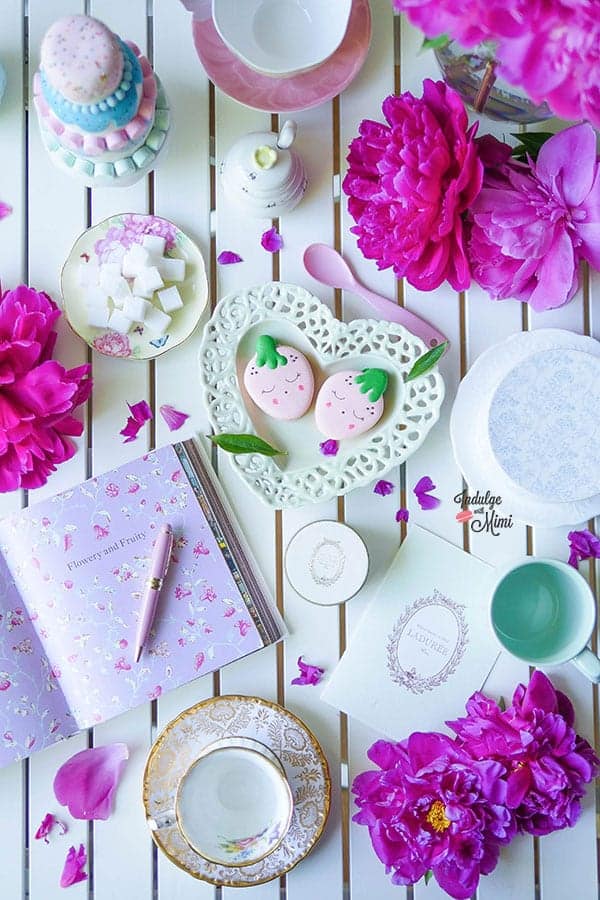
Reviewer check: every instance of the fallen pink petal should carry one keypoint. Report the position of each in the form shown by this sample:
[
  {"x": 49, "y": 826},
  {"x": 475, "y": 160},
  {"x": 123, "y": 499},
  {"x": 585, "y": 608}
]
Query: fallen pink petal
[
  {"x": 5, "y": 210},
  {"x": 308, "y": 674},
  {"x": 75, "y": 863},
  {"x": 228, "y": 258},
  {"x": 140, "y": 413},
  {"x": 329, "y": 448},
  {"x": 271, "y": 240},
  {"x": 86, "y": 783},
  {"x": 421, "y": 491},
  {"x": 402, "y": 515},
  {"x": 173, "y": 417},
  {"x": 583, "y": 545},
  {"x": 46, "y": 826},
  {"x": 383, "y": 488}
]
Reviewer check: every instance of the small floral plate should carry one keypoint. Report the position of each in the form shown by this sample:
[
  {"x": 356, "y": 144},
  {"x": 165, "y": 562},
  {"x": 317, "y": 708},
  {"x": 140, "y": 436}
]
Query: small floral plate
[
  {"x": 295, "y": 747},
  {"x": 107, "y": 242}
]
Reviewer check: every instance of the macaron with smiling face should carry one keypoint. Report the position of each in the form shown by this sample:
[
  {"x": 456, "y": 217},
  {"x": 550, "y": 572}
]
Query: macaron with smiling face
[
  {"x": 279, "y": 380},
  {"x": 350, "y": 403}
]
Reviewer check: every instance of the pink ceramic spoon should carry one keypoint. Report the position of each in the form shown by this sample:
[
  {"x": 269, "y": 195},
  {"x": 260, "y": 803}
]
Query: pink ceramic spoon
[{"x": 327, "y": 266}]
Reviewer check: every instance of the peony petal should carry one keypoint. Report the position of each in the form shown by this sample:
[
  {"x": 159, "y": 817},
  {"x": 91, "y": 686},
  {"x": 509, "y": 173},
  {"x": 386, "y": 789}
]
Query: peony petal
[
  {"x": 73, "y": 868},
  {"x": 566, "y": 164},
  {"x": 402, "y": 515},
  {"x": 421, "y": 492},
  {"x": 271, "y": 240},
  {"x": 329, "y": 448},
  {"x": 173, "y": 417},
  {"x": 87, "y": 782},
  {"x": 140, "y": 413},
  {"x": 308, "y": 674},
  {"x": 46, "y": 826},
  {"x": 228, "y": 258},
  {"x": 5, "y": 210},
  {"x": 383, "y": 488}
]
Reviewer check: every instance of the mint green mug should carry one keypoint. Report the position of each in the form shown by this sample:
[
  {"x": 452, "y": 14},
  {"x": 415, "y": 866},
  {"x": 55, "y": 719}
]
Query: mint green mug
[{"x": 543, "y": 612}]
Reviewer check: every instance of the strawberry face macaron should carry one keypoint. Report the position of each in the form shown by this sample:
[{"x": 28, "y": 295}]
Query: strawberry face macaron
[
  {"x": 279, "y": 380},
  {"x": 350, "y": 403}
]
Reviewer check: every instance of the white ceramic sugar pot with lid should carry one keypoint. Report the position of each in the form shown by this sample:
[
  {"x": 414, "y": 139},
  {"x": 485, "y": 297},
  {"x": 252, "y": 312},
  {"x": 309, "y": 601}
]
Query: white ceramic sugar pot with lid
[{"x": 262, "y": 175}]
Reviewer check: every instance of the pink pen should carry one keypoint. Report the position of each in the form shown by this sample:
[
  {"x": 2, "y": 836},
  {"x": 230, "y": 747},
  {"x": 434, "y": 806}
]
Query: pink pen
[{"x": 158, "y": 569}]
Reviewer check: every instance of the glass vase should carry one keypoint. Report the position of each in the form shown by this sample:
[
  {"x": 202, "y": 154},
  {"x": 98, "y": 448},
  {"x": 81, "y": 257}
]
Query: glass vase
[{"x": 472, "y": 73}]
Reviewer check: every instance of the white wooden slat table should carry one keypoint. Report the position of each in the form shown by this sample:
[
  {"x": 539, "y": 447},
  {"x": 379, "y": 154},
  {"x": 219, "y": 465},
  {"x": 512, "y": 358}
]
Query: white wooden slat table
[{"x": 49, "y": 212}]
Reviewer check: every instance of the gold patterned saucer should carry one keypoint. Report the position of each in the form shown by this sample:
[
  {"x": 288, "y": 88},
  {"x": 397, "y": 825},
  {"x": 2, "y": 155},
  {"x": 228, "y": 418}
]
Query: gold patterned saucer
[{"x": 295, "y": 746}]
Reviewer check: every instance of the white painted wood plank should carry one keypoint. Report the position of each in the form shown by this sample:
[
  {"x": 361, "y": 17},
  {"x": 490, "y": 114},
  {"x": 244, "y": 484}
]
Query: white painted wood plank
[
  {"x": 115, "y": 383},
  {"x": 185, "y": 201},
  {"x": 314, "y": 630},
  {"x": 256, "y": 674},
  {"x": 371, "y": 515},
  {"x": 56, "y": 217},
  {"x": 13, "y": 785}
]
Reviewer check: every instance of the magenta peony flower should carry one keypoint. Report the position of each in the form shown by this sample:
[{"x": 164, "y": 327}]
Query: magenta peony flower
[
  {"x": 530, "y": 226},
  {"x": 550, "y": 49},
  {"x": 432, "y": 807},
  {"x": 410, "y": 181},
  {"x": 548, "y": 763},
  {"x": 37, "y": 394}
]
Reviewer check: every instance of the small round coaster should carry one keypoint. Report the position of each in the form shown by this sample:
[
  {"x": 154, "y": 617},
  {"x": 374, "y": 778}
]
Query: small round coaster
[{"x": 326, "y": 562}]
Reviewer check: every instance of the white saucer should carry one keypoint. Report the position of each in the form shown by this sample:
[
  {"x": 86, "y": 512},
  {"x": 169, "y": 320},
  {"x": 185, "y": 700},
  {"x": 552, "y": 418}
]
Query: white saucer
[
  {"x": 295, "y": 746},
  {"x": 525, "y": 425}
]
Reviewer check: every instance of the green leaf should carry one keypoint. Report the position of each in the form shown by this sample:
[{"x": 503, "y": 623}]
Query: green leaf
[
  {"x": 502, "y": 704},
  {"x": 244, "y": 443},
  {"x": 428, "y": 876},
  {"x": 427, "y": 361},
  {"x": 435, "y": 43},
  {"x": 531, "y": 142}
]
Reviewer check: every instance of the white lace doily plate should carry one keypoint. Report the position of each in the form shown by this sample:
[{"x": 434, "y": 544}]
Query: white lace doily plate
[
  {"x": 293, "y": 316},
  {"x": 295, "y": 746},
  {"x": 525, "y": 425}
]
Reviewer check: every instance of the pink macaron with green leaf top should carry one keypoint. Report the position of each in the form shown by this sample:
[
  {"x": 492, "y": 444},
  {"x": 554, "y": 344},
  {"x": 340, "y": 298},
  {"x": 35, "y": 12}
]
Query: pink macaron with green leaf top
[
  {"x": 279, "y": 380},
  {"x": 350, "y": 403}
]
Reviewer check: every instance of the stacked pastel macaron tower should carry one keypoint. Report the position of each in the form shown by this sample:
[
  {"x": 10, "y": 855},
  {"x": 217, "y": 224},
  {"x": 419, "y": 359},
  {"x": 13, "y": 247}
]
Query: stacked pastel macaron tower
[{"x": 102, "y": 111}]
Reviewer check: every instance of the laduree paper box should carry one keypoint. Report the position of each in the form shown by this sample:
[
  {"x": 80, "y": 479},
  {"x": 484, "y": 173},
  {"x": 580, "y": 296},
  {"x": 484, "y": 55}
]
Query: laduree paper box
[{"x": 424, "y": 644}]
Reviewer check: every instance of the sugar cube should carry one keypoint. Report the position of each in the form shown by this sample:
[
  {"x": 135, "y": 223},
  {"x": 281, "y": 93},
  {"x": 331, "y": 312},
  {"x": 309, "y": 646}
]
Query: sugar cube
[
  {"x": 154, "y": 244},
  {"x": 147, "y": 281},
  {"x": 170, "y": 299},
  {"x": 121, "y": 290},
  {"x": 171, "y": 268},
  {"x": 87, "y": 274},
  {"x": 136, "y": 259},
  {"x": 136, "y": 308},
  {"x": 96, "y": 296},
  {"x": 110, "y": 276},
  {"x": 98, "y": 316},
  {"x": 119, "y": 321},
  {"x": 157, "y": 321}
]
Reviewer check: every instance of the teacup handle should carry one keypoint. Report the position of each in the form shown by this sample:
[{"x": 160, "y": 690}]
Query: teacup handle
[{"x": 588, "y": 663}]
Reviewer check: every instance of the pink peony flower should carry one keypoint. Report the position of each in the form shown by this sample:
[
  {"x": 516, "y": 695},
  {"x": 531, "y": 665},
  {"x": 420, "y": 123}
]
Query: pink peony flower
[
  {"x": 548, "y": 764},
  {"x": 531, "y": 225},
  {"x": 37, "y": 394},
  {"x": 464, "y": 22},
  {"x": 432, "y": 807},
  {"x": 112, "y": 344},
  {"x": 409, "y": 183}
]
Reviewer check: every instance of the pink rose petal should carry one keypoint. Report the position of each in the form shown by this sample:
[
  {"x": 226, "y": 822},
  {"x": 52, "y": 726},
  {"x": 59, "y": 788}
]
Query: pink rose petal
[
  {"x": 75, "y": 862},
  {"x": 5, "y": 210},
  {"x": 329, "y": 448},
  {"x": 271, "y": 240},
  {"x": 383, "y": 488},
  {"x": 228, "y": 258},
  {"x": 583, "y": 545},
  {"x": 173, "y": 417},
  {"x": 46, "y": 826},
  {"x": 308, "y": 674},
  {"x": 421, "y": 491},
  {"x": 140, "y": 413},
  {"x": 402, "y": 515},
  {"x": 87, "y": 782}
]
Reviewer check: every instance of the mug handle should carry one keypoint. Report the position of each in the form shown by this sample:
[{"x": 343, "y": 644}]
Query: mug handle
[{"x": 588, "y": 663}]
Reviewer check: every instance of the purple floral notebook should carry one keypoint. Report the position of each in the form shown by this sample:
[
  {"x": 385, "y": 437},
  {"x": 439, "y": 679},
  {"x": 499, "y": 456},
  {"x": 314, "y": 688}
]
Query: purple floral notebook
[{"x": 72, "y": 573}]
